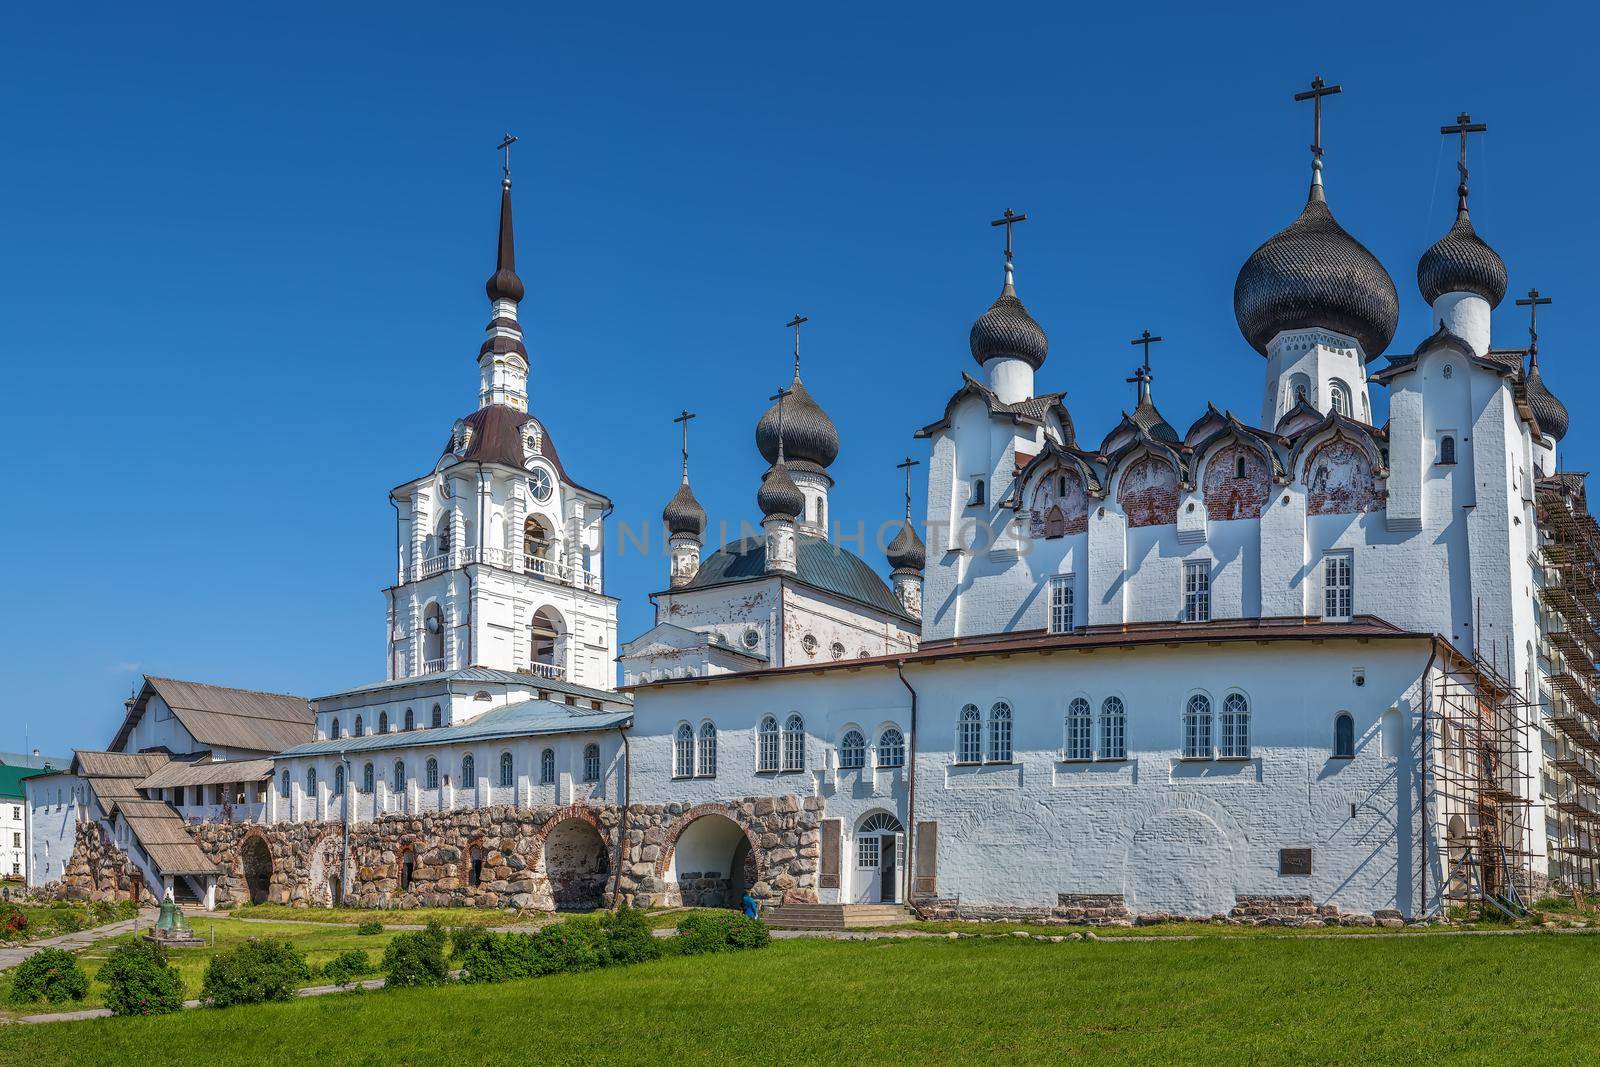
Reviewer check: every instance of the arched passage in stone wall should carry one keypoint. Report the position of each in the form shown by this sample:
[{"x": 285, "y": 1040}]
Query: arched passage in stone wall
[
  {"x": 255, "y": 863},
  {"x": 709, "y": 862},
  {"x": 576, "y": 861}
]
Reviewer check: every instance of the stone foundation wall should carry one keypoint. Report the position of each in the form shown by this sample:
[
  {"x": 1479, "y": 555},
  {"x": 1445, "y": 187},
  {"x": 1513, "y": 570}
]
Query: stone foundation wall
[
  {"x": 98, "y": 869},
  {"x": 1111, "y": 909}
]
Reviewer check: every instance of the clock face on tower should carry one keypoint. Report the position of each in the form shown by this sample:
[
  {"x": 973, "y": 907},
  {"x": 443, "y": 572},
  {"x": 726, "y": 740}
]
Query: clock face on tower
[{"x": 540, "y": 484}]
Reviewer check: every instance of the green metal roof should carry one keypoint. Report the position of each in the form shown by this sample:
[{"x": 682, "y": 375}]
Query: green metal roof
[
  {"x": 11, "y": 779},
  {"x": 818, "y": 562}
]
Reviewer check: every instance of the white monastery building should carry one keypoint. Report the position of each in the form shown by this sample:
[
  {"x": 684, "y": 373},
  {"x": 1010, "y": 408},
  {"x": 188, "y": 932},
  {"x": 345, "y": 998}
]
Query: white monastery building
[{"x": 1277, "y": 662}]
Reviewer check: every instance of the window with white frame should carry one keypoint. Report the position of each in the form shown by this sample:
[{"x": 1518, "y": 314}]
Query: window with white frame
[
  {"x": 1113, "y": 729},
  {"x": 1080, "y": 731},
  {"x": 367, "y": 777},
  {"x": 867, "y": 851},
  {"x": 311, "y": 783},
  {"x": 891, "y": 748},
  {"x": 683, "y": 752},
  {"x": 399, "y": 775},
  {"x": 1338, "y": 585},
  {"x": 1000, "y": 733},
  {"x": 1197, "y": 727},
  {"x": 1197, "y": 591},
  {"x": 794, "y": 744},
  {"x": 469, "y": 772},
  {"x": 591, "y": 762},
  {"x": 767, "y": 745},
  {"x": 969, "y": 736},
  {"x": 852, "y": 751},
  {"x": 506, "y": 779},
  {"x": 708, "y": 750},
  {"x": 338, "y": 780},
  {"x": 1339, "y": 396},
  {"x": 1235, "y": 727},
  {"x": 1061, "y": 604},
  {"x": 547, "y": 767},
  {"x": 430, "y": 774}
]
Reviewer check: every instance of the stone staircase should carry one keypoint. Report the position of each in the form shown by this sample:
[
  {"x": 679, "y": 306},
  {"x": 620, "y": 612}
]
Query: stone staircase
[{"x": 834, "y": 916}]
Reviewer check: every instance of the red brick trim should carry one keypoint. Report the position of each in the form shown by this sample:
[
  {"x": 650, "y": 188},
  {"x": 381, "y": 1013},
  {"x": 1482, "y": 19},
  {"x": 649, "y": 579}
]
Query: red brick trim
[
  {"x": 727, "y": 811},
  {"x": 582, "y": 812}
]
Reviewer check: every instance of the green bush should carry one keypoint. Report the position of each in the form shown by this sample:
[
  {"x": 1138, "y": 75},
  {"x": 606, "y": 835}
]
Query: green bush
[
  {"x": 627, "y": 938},
  {"x": 258, "y": 971},
  {"x": 417, "y": 959},
  {"x": 138, "y": 980},
  {"x": 369, "y": 927},
  {"x": 581, "y": 944},
  {"x": 465, "y": 938},
  {"x": 719, "y": 931},
  {"x": 346, "y": 967},
  {"x": 50, "y": 974}
]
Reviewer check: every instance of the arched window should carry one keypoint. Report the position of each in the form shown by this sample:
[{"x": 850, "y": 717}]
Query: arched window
[
  {"x": 852, "y": 751},
  {"x": 794, "y": 744},
  {"x": 767, "y": 745},
  {"x": 547, "y": 767},
  {"x": 969, "y": 735},
  {"x": 591, "y": 762},
  {"x": 1061, "y": 485},
  {"x": 361, "y": 727},
  {"x": 442, "y": 538},
  {"x": 1080, "y": 731},
  {"x": 1238, "y": 465},
  {"x": 708, "y": 749},
  {"x": 1000, "y": 733},
  {"x": 1344, "y": 736},
  {"x": 892, "y": 748},
  {"x": 283, "y": 786},
  {"x": 383, "y": 722},
  {"x": 978, "y": 497},
  {"x": 438, "y": 717},
  {"x": 333, "y": 728},
  {"x": 1235, "y": 727},
  {"x": 1197, "y": 727},
  {"x": 430, "y": 774},
  {"x": 1339, "y": 396},
  {"x": 506, "y": 778},
  {"x": 338, "y": 780},
  {"x": 1113, "y": 729},
  {"x": 1447, "y": 449},
  {"x": 683, "y": 751},
  {"x": 469, "y": 772},
  {"x": 399, "y": 775},
  {"x": 411, "y": 720},
  {"x": 311, "y": 782},
  {"x": 366, "y": 779}
]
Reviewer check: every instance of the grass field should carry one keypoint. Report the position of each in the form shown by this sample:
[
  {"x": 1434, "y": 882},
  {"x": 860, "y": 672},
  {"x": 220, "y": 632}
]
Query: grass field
[
  {"x": 1474, "y": 999},
  {"x": 48, "y": 920},
  {"x": 319, "y": 942}
]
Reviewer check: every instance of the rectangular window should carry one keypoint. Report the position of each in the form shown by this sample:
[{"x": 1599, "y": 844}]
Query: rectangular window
[
  {"x": 867, "y": 851},
  {"x": 1197, "y": 591},
  {"x": 1061, "y": 606},
  {"x": 1337, "y": 585}
]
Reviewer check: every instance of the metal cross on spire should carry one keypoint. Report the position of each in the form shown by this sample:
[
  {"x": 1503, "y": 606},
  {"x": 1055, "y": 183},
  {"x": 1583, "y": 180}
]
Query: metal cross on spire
[
  {"x": 906, "y": 466},
  {"x": 1464, "y": 125},
  {"x": 1533, "y": 301},
  {"x": 779, "y": 396},
  {"x": 505, "y": 146},
  {"x": 1141, "y": 374},
  {"x": 1008, "y": 220},
  {"x": 795, "y": 324},
  {"x": 684, "y": 418},
  {"x": 1318, "y": 90}
]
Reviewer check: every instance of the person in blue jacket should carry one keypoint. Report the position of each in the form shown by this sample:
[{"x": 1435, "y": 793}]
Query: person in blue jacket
[{"x": 749, "y": 905}]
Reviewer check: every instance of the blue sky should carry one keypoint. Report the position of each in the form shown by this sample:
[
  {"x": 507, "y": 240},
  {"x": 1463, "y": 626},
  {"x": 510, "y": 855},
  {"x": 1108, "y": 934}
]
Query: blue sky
[{"x": 242, "y": 258}]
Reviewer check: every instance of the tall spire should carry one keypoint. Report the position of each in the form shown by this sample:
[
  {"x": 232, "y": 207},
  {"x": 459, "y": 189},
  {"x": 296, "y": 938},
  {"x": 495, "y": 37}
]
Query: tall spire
[
  {"x": 504, "y": 284},
  {"x": 503, "y": 358}
]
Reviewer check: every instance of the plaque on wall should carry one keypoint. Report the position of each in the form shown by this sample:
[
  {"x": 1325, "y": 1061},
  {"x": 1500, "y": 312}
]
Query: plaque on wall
[{"x": 1294, "y": 861}]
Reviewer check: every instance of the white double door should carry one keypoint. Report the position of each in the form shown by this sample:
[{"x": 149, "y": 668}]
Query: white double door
[{"x": 879, "y": 858}]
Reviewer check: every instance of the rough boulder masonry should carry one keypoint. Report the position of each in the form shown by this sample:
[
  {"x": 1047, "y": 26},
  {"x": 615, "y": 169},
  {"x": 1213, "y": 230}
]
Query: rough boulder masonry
[{"x": 1287, "y": 666}]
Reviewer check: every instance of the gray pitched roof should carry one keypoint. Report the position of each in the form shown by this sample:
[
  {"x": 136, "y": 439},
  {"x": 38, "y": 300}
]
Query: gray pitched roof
[
  {"x": 525, "y": 718},
  {"x": 231, "y": 718},
  {"x": 819, "y": 563},
  {"x": 484, "y": 674}
]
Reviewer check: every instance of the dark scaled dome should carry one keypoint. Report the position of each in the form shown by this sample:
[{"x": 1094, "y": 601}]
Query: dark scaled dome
[
  {"x": 1460, "y": 262},
  {"x": 1314, "y": 274},
  {"x": 683, "y": 513},
  {"x": 808, "y": 434},
  {"x": 906, "y": 552},
  {"x": 1006, "y": 330},
  {"x": 1547, "y": 407},
  {"x": 778, "y": 495}
]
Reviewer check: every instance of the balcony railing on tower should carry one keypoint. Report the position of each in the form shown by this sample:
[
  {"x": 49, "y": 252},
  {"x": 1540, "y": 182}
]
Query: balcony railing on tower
[{"x": 503, "y": 558}]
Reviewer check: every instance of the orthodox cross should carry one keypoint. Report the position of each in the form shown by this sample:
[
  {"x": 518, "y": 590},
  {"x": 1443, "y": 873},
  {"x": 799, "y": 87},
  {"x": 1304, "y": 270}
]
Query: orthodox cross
[
  {"x": 1318, "y": 90},
  {"x": 1142, "y": 373},
  {"x": 795, "y": 324},
  {"x": 906, "y": 466},
  {"x": 684, "y": 419},
  {"x": 1533, "y": 301},
  {"x": 505, "y": 146},
  {"x": 779, "y": 397},
  {"x": 1008, "y": 220},
  {"x": 1464, "y": 125}
]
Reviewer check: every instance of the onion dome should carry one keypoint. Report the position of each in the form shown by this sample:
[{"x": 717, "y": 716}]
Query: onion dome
[
  {"x": 1007, "y": 331},
  {"x": 1460, "y": 262},
  {"x": 809, "y": 435},
  {"x": 683, "y": 513},
  {"x": 504, "y": 284},
  {"x": 906, "y": 552},
  {"x": 1550, "y": 411},
  {"x": 1314, "y": 274},
  {"x": 779, "y": 496},
  {"x": 1148, "y": 419}
]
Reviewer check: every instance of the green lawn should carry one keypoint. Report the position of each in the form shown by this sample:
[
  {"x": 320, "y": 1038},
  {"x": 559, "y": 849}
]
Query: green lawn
[
  {"x": 1467, "y": 1000},
  {"x": 319, "y": 942},
  {"x": 49, "y": 920}
]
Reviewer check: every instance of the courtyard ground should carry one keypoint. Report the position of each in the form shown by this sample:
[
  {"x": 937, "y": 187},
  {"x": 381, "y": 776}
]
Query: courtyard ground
[{"x": 1523, "y": 998}]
